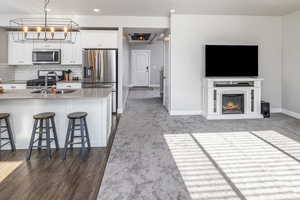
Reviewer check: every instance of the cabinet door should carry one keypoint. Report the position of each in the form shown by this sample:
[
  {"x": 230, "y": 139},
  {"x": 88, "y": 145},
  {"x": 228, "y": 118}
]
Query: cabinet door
[
  {"x": 19, "y": 53},
  {"x": 72, "y": 52},
  {"x": 99, "y": 39}
]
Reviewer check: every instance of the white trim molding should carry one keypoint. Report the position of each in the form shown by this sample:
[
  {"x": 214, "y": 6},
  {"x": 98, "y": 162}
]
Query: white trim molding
[
  {"x": 185, "y": 112},
  {"x": 291, "y": 113},
  {"x": 276, "y": 110}
]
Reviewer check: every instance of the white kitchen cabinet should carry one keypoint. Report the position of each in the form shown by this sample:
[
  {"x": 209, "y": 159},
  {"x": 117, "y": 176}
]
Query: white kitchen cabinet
[
  {"x": 66, "y": 85},
  {"x": 99, "y": 39},
  {"x": 71, "y": 53},
  {"x": 19, "y": 53},
  {"x": 13, "y": 86},
  {"x": 46, "y": 45}
]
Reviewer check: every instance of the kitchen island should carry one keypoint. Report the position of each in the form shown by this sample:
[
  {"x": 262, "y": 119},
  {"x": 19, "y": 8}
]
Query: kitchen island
[{"x": 23, "y": 104}]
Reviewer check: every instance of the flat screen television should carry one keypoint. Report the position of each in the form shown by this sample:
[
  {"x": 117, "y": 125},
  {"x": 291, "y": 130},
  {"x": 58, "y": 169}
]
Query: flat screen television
[{"x": 231, "y": 60}]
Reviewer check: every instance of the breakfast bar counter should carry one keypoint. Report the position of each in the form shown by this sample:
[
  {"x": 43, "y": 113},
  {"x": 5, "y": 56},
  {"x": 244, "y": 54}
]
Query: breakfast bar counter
[{"x": 23, "y": 104}]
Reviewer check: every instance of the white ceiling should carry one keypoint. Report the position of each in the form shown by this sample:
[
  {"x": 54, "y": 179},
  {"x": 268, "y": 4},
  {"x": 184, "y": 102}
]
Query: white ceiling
[{"x": 152, "y": 7}]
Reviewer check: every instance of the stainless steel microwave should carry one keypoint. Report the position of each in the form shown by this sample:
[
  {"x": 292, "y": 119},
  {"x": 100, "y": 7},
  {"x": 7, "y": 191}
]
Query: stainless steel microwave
[{"x": 46, "y": 56}]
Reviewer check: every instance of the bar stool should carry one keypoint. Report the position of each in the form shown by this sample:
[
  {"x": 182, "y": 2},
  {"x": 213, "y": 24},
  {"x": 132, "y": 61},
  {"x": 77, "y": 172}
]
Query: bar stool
[
  {"x": 42, "y": 128},
  {"x": 5, "y": 128},
  {"x": 83, "y": 132}
]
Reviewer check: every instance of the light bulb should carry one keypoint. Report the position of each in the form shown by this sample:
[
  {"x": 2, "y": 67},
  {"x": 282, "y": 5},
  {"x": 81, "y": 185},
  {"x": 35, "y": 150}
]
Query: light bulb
[
  {"x": 38, "y": 29},
  {"x": 52, "y": 29},
  {"x": 65, "y": 29},
  {"x": 25, "y": 29}
]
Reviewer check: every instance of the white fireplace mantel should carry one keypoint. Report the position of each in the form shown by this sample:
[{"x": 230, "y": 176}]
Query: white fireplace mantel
[{"x": 214, "y": 88}]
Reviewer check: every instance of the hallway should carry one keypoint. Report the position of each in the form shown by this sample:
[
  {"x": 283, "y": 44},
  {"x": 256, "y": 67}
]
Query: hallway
[{"x": 141, "y": 165}]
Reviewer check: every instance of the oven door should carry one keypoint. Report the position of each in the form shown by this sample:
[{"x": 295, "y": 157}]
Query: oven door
[{"x": 46, "y": 56}]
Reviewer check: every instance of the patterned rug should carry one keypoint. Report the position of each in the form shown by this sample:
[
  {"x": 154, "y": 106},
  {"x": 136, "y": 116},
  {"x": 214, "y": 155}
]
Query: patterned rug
[{"x": 260, "y": 165}]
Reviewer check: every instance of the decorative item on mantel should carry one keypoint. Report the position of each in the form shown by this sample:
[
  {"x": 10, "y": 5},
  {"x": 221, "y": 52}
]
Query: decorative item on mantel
[{"x": 44, "y": 29}]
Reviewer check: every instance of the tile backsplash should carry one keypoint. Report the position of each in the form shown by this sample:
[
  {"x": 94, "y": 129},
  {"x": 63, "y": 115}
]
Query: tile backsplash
[
  {"x": 30, "y": 72},
  {"x": 7, "y": 72}
]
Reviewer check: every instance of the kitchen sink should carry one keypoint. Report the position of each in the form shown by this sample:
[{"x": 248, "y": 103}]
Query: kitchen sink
[{"x": 65, "y": 91}]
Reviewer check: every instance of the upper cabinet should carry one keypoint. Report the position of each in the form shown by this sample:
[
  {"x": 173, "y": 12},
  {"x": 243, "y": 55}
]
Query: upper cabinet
[
  {"x": 99, "y": 39},
  {"x": 19, "y": 53},
  {"x": 71, "y": 53}
]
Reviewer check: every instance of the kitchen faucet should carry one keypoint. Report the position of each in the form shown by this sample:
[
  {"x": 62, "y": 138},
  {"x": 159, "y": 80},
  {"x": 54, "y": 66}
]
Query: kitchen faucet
[{"x": 46, "y": 78}]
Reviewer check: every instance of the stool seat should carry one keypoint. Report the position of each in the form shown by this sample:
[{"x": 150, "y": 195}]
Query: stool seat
[
  {"x": 46, "y": 115},
  {"x": 77, "y": 115},
  {"x": 4, "y": 115}
]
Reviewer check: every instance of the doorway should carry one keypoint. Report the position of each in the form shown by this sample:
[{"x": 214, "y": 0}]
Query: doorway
[{"x": 140, "y": 68}]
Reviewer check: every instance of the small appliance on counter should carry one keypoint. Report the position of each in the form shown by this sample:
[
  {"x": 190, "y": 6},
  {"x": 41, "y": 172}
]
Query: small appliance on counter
[
  {"x": 53, "y": 76},
  {"x": 100, "y": 70}
]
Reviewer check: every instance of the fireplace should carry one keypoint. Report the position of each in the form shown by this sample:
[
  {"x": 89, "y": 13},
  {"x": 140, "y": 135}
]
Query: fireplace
[{"x": 233, "y": 104}]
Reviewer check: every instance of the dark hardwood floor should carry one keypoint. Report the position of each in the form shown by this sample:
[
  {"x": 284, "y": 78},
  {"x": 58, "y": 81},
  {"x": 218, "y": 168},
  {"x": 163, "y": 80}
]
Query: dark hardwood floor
[{"x": 76, "y": 178}]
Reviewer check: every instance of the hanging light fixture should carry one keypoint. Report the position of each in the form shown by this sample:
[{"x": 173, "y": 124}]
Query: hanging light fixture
[{"x": 44, "y": 29}]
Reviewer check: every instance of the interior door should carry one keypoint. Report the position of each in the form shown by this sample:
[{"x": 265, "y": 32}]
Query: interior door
[
  {"x": 140, "y": 60},
  {"x": 166, "y": 89}
]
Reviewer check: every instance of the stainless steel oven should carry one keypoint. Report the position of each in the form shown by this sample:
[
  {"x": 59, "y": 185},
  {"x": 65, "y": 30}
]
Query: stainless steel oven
[{"x": 46, "y": 56}]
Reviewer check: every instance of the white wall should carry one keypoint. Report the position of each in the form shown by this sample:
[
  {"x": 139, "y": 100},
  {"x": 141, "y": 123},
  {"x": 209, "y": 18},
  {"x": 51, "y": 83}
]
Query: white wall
[
  {"x": 191, "y": 32},
  {"x": 3, "y": 46},
  {"x": 291, "y": 63},
  {"x": 126, "y": 70},
  {"x": 156, "y": 62}
]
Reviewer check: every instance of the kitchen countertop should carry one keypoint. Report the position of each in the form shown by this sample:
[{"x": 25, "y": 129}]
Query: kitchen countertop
[
  {"x": 24, "y": 81},
  {"x": 78, "y": 94},
  {"x": 13, "y": 82}
]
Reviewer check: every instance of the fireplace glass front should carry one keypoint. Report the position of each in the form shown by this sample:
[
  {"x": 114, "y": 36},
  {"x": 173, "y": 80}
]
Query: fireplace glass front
[{"x": 233, "y": 104}]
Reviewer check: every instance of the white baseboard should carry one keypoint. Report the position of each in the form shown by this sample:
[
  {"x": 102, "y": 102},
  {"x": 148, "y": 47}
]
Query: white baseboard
[
  {"x": 276, "y": 110},
  {"x": 153, "y": 85},
  {"x": 184, "y": 112},
  {"x": 291, "y": 113},
  {"x": 120, "y": 111}
]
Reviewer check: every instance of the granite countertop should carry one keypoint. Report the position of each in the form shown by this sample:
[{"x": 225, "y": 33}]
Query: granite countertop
[{"x": 84, "y": 93}]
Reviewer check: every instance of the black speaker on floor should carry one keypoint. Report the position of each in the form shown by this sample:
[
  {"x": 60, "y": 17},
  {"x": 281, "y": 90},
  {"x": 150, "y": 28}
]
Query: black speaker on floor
[{"x": 265, "y": 109}]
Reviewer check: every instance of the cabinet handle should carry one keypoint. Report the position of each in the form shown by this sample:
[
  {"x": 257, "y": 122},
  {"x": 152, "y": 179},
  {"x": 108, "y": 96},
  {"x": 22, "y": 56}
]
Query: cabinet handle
[
  {"x": 13, "y": 87},
  {"x": 68, "y": 86}
]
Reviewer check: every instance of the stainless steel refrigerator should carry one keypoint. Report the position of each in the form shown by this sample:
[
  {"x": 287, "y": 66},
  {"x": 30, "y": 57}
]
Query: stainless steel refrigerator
[{"x": 100, "y": 69}]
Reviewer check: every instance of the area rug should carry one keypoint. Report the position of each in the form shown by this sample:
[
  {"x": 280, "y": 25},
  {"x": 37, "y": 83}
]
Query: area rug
[
  {"x": 259, "y": 165},
  {"x": 7, "y": 167}
]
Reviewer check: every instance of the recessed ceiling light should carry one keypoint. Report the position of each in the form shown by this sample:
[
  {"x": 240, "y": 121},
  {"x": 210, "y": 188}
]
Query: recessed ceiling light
[
  {"x": 96, "y": 10},
  {"x": 172, "y": 11}
]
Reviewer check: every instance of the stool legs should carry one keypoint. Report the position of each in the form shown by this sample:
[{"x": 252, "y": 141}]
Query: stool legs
[
  {"x": 32, "y": 139},
  {"x": 87, "y": 134},
  {"x": 6, "y": 128},
  {"x": 40, "y": 134},
  {"x": 10, "y": 135},
  {"x": 67, "y": 138},
  {"x": 83, "y": 137},
  {"x": 54, "y": 134},
  {"x": 43, "y": 129}
]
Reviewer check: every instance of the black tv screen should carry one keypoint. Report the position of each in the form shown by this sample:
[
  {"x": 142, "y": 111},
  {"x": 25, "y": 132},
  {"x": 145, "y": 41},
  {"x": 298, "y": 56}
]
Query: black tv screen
[{"x": 231, "y": 60}]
